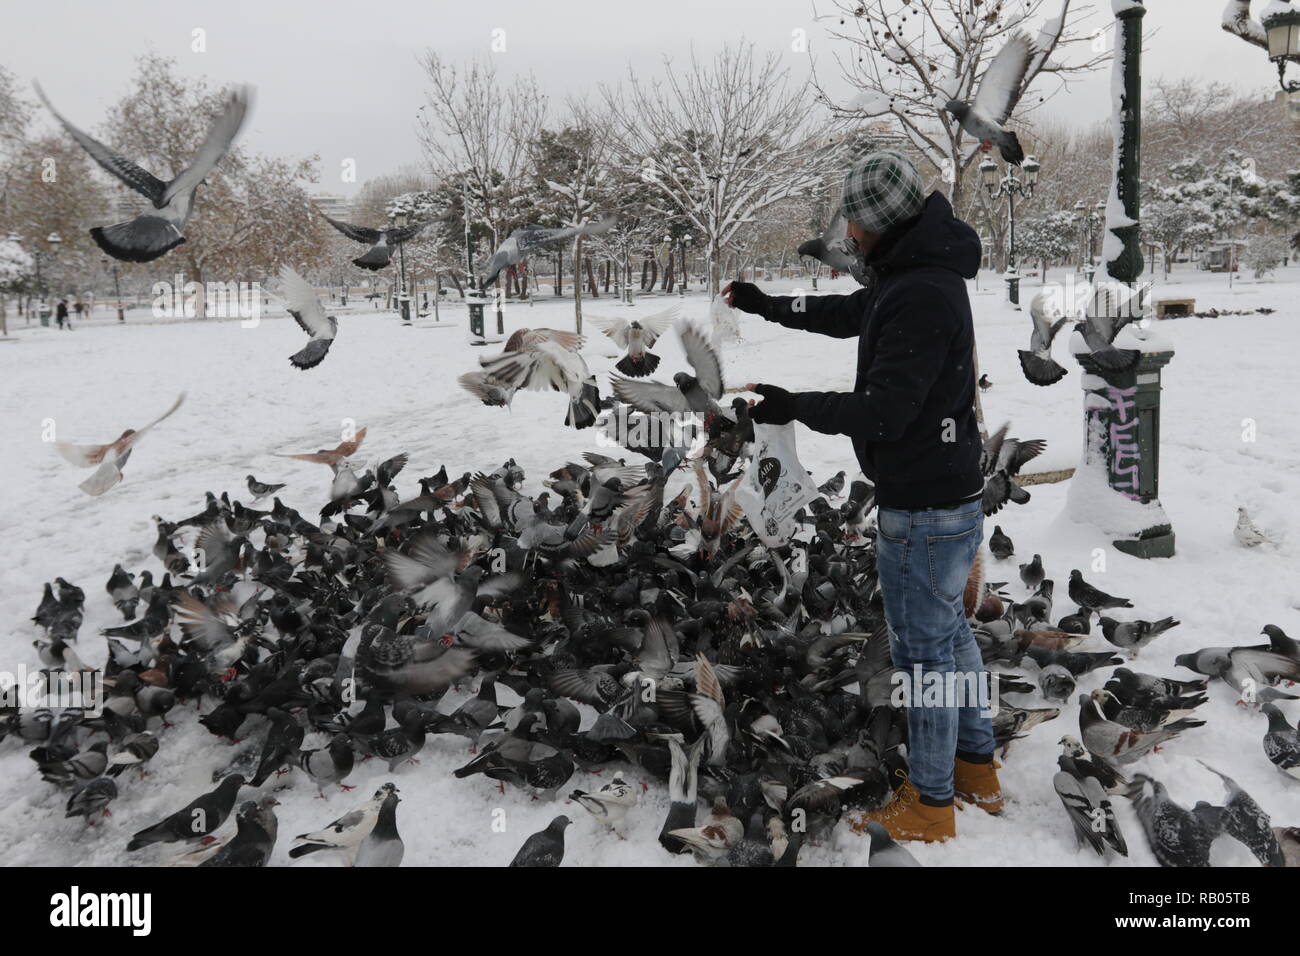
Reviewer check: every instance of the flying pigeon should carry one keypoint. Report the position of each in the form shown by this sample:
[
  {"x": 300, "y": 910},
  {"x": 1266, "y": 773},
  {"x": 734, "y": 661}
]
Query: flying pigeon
[
  {"x": 541, "y": 359},
  {"x": 153, "y": 233},
  {"x": 1037, "y": 362},
  {"x": 522, "y": 243},
  {"x": 835, "y": 249},
  {"x": 303, "y": 304},
  {"x": 688, "y": 393},
  {"x": 985, "y": 116},
  {"x": 1245, "y": 821},
  {"x": 381, "y": 241},
  {"x": 637, "y": 337},
  {"x": 332, "y": 456},
  {"x": 110, "y": 457}
]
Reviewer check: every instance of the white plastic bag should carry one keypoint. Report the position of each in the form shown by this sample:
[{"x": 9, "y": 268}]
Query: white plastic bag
[
  {"x": 775, "y": 485},
  {"x": 725, "y": 326}
]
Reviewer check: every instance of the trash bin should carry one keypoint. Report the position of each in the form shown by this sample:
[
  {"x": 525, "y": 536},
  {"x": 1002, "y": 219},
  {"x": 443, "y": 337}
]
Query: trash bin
[{"x": 475, "y": 302}]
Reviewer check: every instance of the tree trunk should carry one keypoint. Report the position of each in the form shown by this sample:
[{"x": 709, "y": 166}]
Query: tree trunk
[
  {"x": 592, "y": 286},
  {"x": 607, "y": 272},
  {"x": 460, "y": 290},
  {"x": 577, "y": 284},
  {"x": 559, "y": 273}
]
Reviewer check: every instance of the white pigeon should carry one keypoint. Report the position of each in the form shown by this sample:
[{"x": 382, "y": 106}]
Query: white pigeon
[
  {"x": 304, "y": 305},
  {"x": 999, "y": 87},
  {"x": 150, "y": 235},
  {"x": 109, "y": 457},
  {"x": 1247, "y": 535},
  {"x": 346, "y": 834},
  {"x": 610, "y": 803}
]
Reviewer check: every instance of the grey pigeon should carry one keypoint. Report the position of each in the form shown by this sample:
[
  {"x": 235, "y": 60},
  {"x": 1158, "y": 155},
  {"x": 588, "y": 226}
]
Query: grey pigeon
[
  {"x": 196, "y": 819},
  {"x": 383, "y": 846},
  {"x": 522, "y": 243},
  {"x": 260, "y": 490},
  {"x": 636, "y": 337},
  {"x": 254, "y": 837},
  {"x": 688, "y": 393},
  {"x": 1085, "y": 595},
  {"x": 1000, "y": 545},
  {"x": 1245, "y": 821},
  {"x": 1089, "y": 809},
  {"x": 1134, "y": 635},
  {"x": 1037, "y": 362},
  {"x": 985, "y": 116},
  {"x": 835, "y": 249},
  {"x": 303, "y": 304},
  {"x": 545, "y": 847},
  {"x": 1032, "y": 573},
  {"x": 381, "y": 241},
  {"x": 884, "y": 851},
  {"x": 1113, "y": 741},
  {"x": 1177, "y": 836},
  {"x": 1281, "y": 742},
  {"x": 123, "y": 592},
  {"x": 153, "y": 233}
]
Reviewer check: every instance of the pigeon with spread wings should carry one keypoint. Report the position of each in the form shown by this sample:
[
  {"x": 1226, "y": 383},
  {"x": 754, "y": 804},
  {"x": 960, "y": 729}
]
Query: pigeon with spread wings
[
  {"x": 522, "y": 243},
  {"x": 109, "y": 457},
  {"x": 637, "y": 337},
  {"x": 381, "y": 241},
  {"x": 688, "y": 393},
  {"x": 332, "y": 456},
  {"x": 985, "y": 116},
  {"x": 1037, "y": 362},
  {"x": 150, "y": 235},
  {"x": 538, "y": 360},
  {"x": 302, "y": 303},
  {"x": 835, "y": 249}
]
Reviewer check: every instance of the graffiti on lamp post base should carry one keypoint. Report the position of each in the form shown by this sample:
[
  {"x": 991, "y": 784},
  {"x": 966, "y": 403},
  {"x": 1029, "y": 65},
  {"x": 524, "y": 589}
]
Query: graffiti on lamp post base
[{"x": 1116, "y": 422}]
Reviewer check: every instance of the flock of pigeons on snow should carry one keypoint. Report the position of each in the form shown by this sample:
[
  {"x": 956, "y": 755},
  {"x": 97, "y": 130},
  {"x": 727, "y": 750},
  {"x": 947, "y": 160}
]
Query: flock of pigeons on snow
[{"x": 624, "y": 618}]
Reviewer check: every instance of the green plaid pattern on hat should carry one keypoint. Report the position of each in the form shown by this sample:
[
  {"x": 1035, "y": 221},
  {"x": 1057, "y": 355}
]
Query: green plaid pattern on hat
[{"x": 880, "y": 190}]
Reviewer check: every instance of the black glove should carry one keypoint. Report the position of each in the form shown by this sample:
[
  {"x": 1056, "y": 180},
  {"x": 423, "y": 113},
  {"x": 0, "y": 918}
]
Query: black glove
[
  {"x": 776, "y": 408},
  {"x": 748, "y": 297}
]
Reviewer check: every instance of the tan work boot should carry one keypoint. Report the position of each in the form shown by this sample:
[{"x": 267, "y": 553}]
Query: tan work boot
[
  {"x": 977, "y": 783},
  {"x": 907, "y": 818}
]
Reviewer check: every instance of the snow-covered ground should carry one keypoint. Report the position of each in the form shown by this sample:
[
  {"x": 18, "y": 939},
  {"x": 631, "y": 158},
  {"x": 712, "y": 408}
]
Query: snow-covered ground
[{"x": 245, "y": 401}]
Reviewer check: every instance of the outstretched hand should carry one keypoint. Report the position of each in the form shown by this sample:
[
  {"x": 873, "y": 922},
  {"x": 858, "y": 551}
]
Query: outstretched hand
[
  {"x": 776, "y": 407},
  {"x": 746, "y": 297}
]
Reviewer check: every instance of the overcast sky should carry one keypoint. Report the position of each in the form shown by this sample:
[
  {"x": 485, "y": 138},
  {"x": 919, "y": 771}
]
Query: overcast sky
[{"x": 340, "y": 78}]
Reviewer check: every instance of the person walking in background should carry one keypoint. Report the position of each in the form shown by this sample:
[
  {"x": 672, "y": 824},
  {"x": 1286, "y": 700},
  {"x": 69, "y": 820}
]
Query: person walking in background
[
  {"x": 79, "y": 307},
  {"x": 912, "y": 420},
  {"x": 61, "y": 312}
]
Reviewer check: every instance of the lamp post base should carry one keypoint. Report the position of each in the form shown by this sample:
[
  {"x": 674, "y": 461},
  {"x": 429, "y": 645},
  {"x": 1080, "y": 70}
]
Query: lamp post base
[
  {"x": 1157, "y": 542},
  {"x": 1013, "y": 290}
]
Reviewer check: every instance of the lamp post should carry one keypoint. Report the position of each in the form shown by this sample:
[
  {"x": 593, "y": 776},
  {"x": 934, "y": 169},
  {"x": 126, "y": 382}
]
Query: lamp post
[
  {"x": 1282, "y": 33},
  {"x": 1010, "y": 185},
  {"x": 1089, "y": 219},
  {"x": 399, "y": 220},
  {"x": 111, "y": 265}
]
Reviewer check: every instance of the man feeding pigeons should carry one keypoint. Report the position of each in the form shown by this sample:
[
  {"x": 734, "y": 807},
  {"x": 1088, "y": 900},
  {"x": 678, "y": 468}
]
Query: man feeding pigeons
[{"x": 911, "y": 417}]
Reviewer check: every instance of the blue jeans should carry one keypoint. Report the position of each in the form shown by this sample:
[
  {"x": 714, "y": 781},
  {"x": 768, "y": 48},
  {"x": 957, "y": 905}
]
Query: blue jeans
[{"x": 924, "y": 559}]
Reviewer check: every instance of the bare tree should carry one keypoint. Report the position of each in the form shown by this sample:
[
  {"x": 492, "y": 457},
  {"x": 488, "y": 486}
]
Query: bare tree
[
  {"x": 253, "y": 214},
  {"x": 478, "y": 130},
  {"x": 907, "y": 60},
  {"x": 719, "y": 142}
]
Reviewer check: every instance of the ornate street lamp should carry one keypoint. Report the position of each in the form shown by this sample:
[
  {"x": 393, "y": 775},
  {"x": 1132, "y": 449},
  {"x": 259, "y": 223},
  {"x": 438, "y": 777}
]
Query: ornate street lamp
[
  {"x": 404, "y": 303},
  {"x": 1282, "y": 31},
  {"x": 1010, "y": 185}
]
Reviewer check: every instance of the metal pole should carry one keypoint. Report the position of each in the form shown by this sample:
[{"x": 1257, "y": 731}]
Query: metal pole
[{"x": 402, "y": 297}]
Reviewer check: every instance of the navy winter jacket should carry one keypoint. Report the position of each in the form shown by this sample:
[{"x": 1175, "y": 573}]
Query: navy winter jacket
[{"x": 911, "y": 412}]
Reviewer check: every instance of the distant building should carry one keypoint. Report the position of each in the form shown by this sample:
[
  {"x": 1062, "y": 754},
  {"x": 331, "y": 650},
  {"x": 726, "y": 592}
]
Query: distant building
[{"x": 332, "y": 205}]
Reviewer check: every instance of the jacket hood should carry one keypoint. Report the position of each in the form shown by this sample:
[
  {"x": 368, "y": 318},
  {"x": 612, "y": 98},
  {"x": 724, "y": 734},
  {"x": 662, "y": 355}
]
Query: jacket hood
[{"x": 935, "y": 238}]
